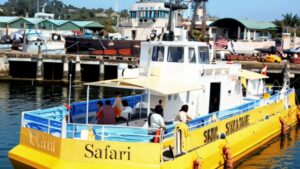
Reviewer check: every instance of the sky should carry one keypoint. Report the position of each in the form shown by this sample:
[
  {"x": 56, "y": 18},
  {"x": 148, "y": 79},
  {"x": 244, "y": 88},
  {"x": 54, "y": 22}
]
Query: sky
[{"x": 260, "y": 10}]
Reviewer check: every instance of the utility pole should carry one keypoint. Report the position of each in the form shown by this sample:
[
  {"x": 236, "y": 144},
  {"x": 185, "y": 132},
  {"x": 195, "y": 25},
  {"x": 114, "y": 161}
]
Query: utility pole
[{"x": 37, "y": 6}]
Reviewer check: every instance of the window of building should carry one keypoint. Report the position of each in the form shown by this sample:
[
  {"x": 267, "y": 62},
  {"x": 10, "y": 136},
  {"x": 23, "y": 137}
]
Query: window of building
[
  {"x": 192, "y": 55},
  {"x": 22, "y": 25},
  {"x": 158, "y": 53},
  {"x": 203, "y": 55},
  {"x": 176, "y": 54}
]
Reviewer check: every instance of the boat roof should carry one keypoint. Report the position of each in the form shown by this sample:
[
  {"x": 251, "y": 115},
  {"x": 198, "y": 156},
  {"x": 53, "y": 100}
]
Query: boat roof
[
  {"x": 160, "y": 86},
  {"x": 177, "y": 43},
  {"x": 252, "y": 75}
]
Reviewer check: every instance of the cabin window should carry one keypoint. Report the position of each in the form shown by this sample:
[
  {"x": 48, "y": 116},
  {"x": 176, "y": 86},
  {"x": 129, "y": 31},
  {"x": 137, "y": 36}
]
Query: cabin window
[
  {"x": 175, "y": 54},
  {"x": 192, "y": 55},
  {"x": 158, "y": 53},
  {"x": 203, "y": 55}
]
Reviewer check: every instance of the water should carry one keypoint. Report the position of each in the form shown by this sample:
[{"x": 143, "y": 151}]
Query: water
[{"x": 18, "y": 97}]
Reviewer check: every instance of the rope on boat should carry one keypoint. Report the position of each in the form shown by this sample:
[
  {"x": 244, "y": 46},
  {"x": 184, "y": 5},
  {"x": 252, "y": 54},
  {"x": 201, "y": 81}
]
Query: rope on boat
[{"x": 227, "y": 158}]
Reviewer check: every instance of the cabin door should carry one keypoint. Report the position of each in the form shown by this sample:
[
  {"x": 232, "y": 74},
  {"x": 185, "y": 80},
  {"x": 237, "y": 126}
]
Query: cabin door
[{"x": 214, "y": 100}]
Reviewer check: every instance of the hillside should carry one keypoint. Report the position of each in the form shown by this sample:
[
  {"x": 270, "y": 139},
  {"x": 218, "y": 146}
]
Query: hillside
[{"x": 60, "y": 10}]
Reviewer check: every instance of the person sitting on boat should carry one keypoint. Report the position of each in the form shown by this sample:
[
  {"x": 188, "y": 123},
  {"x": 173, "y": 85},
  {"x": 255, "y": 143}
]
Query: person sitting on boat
[
  {"x": 118, "y": 104},
  {"x": 107, "y": 114},
  {"x": 156, "y": 120},
  {"x": 99, "y": 105},
  {"x": 183, "y": 116},
  {"x": 127, "y": 110}
]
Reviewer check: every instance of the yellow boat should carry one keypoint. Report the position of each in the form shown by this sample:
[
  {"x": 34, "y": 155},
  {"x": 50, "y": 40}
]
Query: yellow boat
[{"x": 233, "y": 114}]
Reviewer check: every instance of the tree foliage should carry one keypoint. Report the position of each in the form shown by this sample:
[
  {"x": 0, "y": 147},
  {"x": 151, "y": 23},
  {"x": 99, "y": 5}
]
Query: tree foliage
[
  {"x": 60, "y": 10},
  {"x": 290, "y": 21}
]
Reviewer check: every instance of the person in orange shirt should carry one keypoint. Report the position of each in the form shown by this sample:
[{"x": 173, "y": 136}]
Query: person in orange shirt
[{"x": 118, "y": 104}]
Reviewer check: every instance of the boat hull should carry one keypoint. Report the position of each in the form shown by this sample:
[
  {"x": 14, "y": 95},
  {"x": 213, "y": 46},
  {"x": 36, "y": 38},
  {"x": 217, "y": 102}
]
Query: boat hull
[{"x": 243, "y": 134}]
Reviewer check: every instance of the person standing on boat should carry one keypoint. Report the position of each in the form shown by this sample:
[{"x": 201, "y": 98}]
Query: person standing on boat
[
  {"x": 156, "y": 120},
  {"x": 182, "y": 116},
  {"x": 118, "y": 104},
  {"x": 107, "y": 114}
]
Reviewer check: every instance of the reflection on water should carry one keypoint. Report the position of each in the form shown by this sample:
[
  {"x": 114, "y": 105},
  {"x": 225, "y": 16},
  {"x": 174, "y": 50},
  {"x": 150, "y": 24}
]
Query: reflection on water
[
  {"x": 282, "y": 152},
  {"x": 17, "y": 97}
]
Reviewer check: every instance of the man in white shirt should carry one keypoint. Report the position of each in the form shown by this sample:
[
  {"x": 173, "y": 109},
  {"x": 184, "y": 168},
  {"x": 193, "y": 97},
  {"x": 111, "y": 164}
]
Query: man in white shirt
[{"x": 156, "y": 119}]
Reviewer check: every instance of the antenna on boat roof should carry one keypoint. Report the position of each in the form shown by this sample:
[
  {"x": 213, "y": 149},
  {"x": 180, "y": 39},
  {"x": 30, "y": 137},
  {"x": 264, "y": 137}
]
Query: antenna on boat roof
[
  {"x": 173, "y": 7},
  {"x": 70, "y": 88}
]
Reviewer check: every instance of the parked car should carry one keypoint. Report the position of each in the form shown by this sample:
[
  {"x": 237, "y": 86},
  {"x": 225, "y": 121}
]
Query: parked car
[{"x": 272, "y": 58}]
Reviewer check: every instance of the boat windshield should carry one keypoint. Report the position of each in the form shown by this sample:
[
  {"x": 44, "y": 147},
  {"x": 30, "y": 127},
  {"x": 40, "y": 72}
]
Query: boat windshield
[
  {"x": 203, "y": 55},
  {"x": 176, "y": 54},
  {"x": 158, "y": 53}
]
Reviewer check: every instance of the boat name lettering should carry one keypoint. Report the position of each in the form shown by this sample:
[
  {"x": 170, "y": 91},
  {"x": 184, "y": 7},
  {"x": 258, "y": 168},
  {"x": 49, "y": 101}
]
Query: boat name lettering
[
  {"x": 40, "y": 142},
  {"x": 237, "y": 124},
  {"x": 211, "y": 135},
  {"x": 106, "y": 153}
]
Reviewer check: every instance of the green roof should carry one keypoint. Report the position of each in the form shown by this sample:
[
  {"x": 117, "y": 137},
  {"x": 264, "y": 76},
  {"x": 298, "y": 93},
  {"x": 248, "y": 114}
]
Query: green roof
[
  {"x": 33, "y": 20},
  {"x": 86, "y": 24},
  {"x": 250, "y": 24},
  {"x": 59, "y": 22},
  {"x": 7, "y": 19}
]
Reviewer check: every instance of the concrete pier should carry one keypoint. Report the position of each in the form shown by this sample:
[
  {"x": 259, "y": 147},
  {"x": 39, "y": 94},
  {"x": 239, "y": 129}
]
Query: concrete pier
[
  {"x": 65, "y": 69},
  {"x": 40, "y": 67},
  {"x": 59, "y": 66},
  {"x": 77, "y": 69},
  {"x": 4, "y": 66},
  {"x": 101, "y": 70}
]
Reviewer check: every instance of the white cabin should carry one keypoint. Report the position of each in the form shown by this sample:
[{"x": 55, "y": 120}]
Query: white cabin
[{"x": 190, "y": 64}]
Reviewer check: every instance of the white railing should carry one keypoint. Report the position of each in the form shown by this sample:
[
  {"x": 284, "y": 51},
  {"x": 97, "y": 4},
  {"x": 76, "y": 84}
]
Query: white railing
[
  {"x": 231, "y": 112},
  {"x": 112, "y": 133}
]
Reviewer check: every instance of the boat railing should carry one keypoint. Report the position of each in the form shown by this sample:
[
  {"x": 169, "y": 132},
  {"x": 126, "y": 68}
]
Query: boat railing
[
  {"x": 78, "y": 110},
  {"x": 47, "y": 121},
  {"x": 112, "y": 133},
  {"x": 52, "y": 121},
  {"x": 222, "y": 115}
]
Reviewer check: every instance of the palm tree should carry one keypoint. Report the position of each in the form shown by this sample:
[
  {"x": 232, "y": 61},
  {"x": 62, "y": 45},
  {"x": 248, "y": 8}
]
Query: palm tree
[{"x": 291, "y": 21}]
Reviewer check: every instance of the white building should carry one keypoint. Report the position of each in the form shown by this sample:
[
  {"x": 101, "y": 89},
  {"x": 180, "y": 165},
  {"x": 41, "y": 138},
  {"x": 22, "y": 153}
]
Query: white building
[{"x": 145, "y": 16}]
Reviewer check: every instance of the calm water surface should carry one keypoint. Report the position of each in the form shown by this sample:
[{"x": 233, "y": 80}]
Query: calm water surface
[{"x": 283, "y": 152}]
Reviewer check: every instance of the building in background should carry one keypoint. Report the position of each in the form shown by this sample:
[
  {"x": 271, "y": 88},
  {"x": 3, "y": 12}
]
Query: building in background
[
  {"x": 145, "y": 16},
  {"x": 242, "y": 29},
  {"x": 10, "y": 24}
]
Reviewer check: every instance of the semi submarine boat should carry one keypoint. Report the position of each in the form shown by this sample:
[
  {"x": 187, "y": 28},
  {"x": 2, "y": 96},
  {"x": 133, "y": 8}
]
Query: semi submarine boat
[{"x": 233, "y": 114}]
